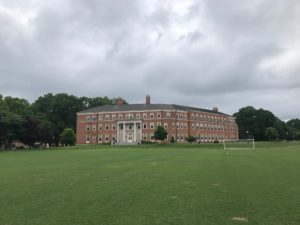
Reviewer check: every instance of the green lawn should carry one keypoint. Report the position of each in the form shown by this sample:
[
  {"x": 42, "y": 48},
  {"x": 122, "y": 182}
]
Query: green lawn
[{"x": 139, "y": 185}]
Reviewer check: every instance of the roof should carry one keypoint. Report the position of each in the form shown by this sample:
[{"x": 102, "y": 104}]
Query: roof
[{"x": 145, "y": 107}]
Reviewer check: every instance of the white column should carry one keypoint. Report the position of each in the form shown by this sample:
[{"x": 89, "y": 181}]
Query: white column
[
  {"x": 134, "y": 131},
  {"x": 118, "y": 132},
  {"x": 124, "y": 132}
]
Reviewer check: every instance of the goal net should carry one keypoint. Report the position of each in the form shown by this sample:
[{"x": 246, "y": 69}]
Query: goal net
[{"x": 239, "y": 144}]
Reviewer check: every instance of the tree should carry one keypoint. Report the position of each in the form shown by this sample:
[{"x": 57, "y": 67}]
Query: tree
[
  {"x": 67, "y": 137},
  {"x": 253, "y": 122},
  {"x": 190, "y": 138},
  {"x": 160, "y": 133},
  {"x": 271, "y": 133}
]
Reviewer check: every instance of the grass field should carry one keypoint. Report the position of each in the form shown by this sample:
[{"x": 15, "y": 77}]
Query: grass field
[{"x": 139, "y": 185}]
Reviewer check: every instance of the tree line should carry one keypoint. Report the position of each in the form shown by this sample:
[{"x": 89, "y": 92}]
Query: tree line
[
  {"x": 263, "y": 125},
  {"x": 50, "y": 119}
]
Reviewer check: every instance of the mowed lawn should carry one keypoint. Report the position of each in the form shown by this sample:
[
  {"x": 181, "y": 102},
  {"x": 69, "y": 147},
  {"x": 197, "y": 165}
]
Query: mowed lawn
[{"x": 153, "y": 184}]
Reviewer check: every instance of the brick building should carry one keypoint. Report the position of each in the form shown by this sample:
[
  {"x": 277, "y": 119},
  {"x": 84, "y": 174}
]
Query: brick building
[{"x": 133, "y": 123}]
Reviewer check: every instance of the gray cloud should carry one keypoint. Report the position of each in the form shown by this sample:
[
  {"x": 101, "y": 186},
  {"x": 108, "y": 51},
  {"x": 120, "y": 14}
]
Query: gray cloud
[{"x": 200, "y": 53}]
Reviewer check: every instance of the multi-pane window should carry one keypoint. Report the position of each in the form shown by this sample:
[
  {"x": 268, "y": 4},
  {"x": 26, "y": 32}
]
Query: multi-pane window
[
  {"x": 158, "y": 115},
  {"x": 168, "y": 115},
  {"x": 138, "y": 116},
  {"x": 94, "y": 127},
  {"x": 114, "y": 126},
  {"x": 145, "y": 116},
  {"x": 88, "y": 118},
  {"x": 151, "y": 115},
  {"x": 151, "y": 125},
  {"x": 113, "y": 116},
  {"x": 145, "y": 126},
  {"x": 94, "y": 118},
  {"x": 100, "y": 117},
  {"x": 88, "y": 127},
  {"x": 107, "y": 117},
  {"x": 106, "y": 137},
  {"x": 100, "y": 127},
  {"x": 87, "y": 138},
  {"x": 99, "y": 138},
  {"x": 107, "y": 127},
  {"x": 129, "y": 116}
]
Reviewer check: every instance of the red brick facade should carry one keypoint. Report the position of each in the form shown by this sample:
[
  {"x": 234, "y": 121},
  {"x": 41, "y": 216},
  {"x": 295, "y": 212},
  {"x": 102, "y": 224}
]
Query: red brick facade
[{"x": 138, "y": 124}]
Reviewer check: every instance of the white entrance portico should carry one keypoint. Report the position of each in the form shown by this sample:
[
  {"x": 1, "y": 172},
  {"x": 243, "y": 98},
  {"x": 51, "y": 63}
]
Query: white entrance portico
[{"x": 129, "y": 132}]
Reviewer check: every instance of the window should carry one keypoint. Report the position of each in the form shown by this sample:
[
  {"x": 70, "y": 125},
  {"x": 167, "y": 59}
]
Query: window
[
  {"x": 99, "y": 138},
  {"x": 168, "y": 115},
  {"x": 145, "y": 126},
  {"x": 94, "y": 127},
  {"x": 114, "y": 126},
  {"x": 100, "y": 127},
  {"x": 94, "y": 118},
  {"x": 166, "y": 126},
  {"x": 129, "y": 116},
  {"x": 94, "y": 138},
  {"x": 158, "y": 115},
  {"x": 120, "y": 116},
  {"x": 192, "y": 116},
  {"x": 106, "y": 137},
  {"x": 151, "y": 125},
  {"x": 114, "y": 137},
  {"x": 151, "y": 115},
  {"x": 107, "y": 117},
  {"x": 87, "y": 138},
  {"x": 107, "y": 127},
  {"x": 88, "y": 118},
  {"x": 138, "y": 116},
  {"x": 113, "y": 116},
  {"x": 145, "y": 116},
  {"x": 88, "y": 127},
  {"x": 100, "y": 117}
]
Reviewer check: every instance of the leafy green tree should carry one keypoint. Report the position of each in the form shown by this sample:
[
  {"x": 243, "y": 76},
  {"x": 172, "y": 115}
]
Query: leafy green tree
[
  {"x": 60, "y": 110},
  {"x": 190, "y": 138},
  {"x": 271, "y": 133},
  {"x": 160, "y": 133},
  {"x": 253, "y": 122},
  {"x": 67, "y": 137},
  {"x": 295, "y": 123}
]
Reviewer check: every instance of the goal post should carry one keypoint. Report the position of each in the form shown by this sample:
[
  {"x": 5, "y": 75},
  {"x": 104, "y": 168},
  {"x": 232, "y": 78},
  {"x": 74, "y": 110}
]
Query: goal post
[{"x": 239, "y": 144}]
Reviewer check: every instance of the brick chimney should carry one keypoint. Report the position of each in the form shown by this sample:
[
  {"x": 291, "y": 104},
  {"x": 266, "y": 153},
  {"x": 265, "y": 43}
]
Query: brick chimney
[
  {"x": 119, "y": 101},
  {"x": 148, "y": 100},
  {"x": 215, "y": 109}
]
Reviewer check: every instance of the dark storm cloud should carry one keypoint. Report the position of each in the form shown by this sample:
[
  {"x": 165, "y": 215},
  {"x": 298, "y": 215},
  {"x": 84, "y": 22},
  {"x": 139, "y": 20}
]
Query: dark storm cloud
[{"x": 201, "y": 53}]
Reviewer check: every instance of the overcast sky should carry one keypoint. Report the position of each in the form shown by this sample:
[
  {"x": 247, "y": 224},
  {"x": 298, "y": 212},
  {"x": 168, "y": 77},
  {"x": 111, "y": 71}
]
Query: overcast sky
[{"x": 204, "y": 53}]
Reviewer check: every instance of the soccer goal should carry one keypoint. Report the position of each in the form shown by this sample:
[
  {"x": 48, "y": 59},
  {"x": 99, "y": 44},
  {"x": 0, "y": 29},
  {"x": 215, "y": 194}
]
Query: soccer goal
[{"x": 239, "y": 144}]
